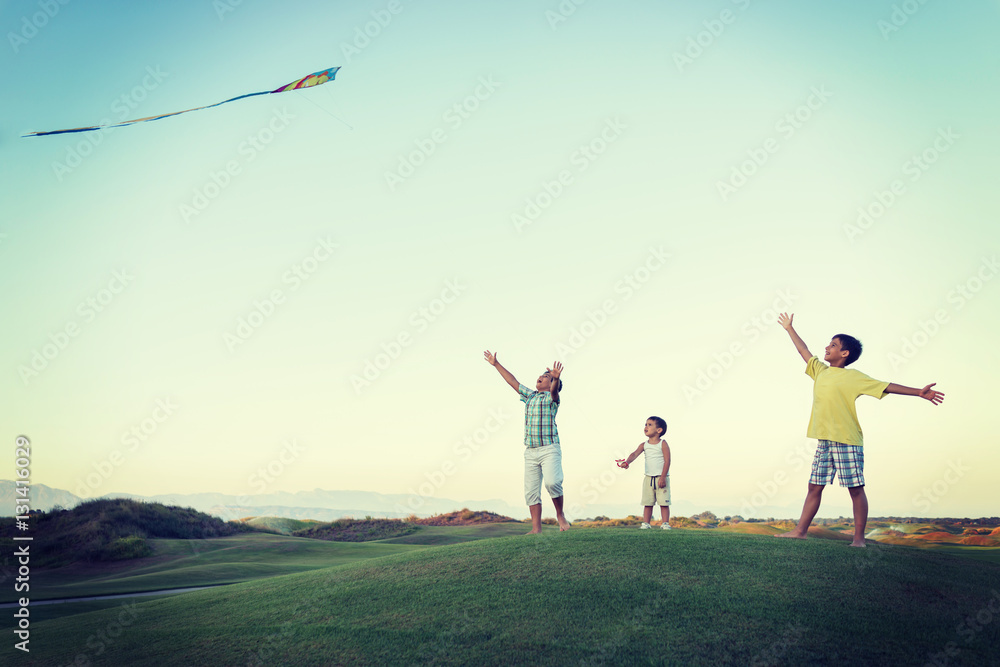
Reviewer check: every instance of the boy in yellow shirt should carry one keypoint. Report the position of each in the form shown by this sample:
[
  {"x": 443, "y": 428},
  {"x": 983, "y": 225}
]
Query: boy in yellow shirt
[{"x": 834, "y": 422}]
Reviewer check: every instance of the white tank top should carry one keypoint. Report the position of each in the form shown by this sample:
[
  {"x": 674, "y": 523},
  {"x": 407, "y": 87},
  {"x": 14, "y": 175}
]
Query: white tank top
[{"x": 654, "y": 458}]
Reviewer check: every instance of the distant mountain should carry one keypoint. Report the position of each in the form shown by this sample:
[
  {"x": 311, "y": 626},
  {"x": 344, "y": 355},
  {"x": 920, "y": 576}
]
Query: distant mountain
[
  {"x": 327, "y": 505},
  {"x": 317, "y": 504},
  {"x": 41, "y": 497}
]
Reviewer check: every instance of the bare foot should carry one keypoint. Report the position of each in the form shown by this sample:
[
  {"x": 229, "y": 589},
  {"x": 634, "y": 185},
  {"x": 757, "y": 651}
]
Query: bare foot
[
  {"x": 563, "y": 523},
  {"x": 534, "y": 532},
  {"x": 857, "y": 544},
  {"x": 792, "y": 534}
]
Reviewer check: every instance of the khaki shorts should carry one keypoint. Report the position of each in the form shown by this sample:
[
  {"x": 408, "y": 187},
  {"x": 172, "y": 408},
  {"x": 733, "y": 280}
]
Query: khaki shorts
[{"x": 652, "y": 494}]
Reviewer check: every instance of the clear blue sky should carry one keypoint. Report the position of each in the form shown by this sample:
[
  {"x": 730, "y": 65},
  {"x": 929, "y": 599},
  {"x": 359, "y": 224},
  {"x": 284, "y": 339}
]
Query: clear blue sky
[{"x": 632, "y": 190}]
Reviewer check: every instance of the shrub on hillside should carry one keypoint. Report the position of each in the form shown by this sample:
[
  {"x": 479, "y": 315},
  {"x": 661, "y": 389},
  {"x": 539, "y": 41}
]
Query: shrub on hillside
[
  {"x": 357, "y": 530},
  {"x": 464, "y": 517},
  {"x": 117, "y": 529}
]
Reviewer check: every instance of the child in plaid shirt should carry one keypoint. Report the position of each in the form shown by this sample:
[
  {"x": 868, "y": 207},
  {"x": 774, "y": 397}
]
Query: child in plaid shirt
[
  {"x": 834, "y": 422},
  {"x": 542, "y": 456}
]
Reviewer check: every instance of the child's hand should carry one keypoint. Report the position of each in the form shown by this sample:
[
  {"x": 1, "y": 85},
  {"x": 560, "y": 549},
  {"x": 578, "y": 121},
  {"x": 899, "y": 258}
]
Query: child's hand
[
  {"x": 785, "y": 320},
  {"x": 491, "y": 358},
  {"x": 556, "y": 370},
  {"x": 662, "y": 482},
  {"x": 622, "y": 463},
  {"x": 935, "y": 397}
]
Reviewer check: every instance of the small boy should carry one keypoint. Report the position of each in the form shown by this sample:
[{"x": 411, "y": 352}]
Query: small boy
[
  {"x": 542, "y": 455},
  {"x": 656, "y": 483},
  {"x": 834, "y": 422}
]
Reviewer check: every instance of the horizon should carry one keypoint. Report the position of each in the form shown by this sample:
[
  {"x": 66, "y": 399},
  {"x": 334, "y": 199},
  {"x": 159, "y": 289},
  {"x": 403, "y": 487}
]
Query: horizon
[
  {"x": 294, "y": 291},
  {"x": 253, "y": 502}
]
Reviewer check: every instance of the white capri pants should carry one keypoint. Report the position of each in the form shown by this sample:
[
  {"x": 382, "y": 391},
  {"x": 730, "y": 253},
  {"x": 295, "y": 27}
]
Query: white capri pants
[{"x": 542, "y": 462}]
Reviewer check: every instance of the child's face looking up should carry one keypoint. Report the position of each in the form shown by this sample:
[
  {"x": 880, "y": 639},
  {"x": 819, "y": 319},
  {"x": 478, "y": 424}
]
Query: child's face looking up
[
  {"x": 544, "y": 382},
  {"x": 651, "y": 428},
  {"x": 834, "y": 350}
]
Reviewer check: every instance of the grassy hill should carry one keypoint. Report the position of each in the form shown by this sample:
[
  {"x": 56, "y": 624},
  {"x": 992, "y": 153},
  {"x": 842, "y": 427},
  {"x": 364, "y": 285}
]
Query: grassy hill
[
  {"x": 278, "y": 524},
  {"x": 113, "y": 530},
  {"x": 600, "y": 596}
]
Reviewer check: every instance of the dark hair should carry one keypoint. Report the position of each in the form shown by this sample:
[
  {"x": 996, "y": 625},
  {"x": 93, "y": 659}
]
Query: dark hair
[
  {"x": 852, "y": 345},
  {"x": 559, "y": 386},
  {"x": 660, "y": 424}
]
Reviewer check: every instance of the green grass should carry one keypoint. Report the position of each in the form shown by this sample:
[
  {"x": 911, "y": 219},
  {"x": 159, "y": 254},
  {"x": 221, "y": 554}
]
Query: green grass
[
  {"x": 443, "y": 535},
  {"x": 182, "y": 563},
  {"x": 47, "y": 612},
  {"x": 597, "y": 596}
]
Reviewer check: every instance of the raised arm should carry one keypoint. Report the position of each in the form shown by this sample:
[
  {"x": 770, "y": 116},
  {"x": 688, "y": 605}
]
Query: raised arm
[
  {"x": 555, "y": 372},
  {"x": 935, "y": 397},
  {"x": 504, "y": 373},
  {"x": 785, "y": 320}
]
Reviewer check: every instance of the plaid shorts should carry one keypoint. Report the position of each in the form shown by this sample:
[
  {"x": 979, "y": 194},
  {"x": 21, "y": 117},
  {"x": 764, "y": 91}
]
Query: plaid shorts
[{"x": 836, "y": 457}]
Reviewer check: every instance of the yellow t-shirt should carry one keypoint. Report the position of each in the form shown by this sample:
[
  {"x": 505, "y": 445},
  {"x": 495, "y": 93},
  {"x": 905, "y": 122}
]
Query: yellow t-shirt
[{"x": 834, "y": 392}]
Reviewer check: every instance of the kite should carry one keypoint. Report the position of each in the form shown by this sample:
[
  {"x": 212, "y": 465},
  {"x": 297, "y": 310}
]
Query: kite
[{"x": 316, "y": 79}]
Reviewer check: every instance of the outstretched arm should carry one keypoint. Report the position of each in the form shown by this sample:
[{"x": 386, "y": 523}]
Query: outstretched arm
[
  {"x": 555, "y": 372},
  {"x": 785, "y": 320},
  {"x": 935, "y": 397},
  {"x": 504, "y": 373},
  {"x": 623, "y": 463}
]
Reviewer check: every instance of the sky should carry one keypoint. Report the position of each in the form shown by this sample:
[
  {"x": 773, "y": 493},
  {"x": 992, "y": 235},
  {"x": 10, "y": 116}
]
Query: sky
[{"x": 295, "y": 291}]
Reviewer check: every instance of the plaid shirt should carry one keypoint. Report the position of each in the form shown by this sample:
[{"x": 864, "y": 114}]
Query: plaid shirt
[{"x": 539, "y": 418}]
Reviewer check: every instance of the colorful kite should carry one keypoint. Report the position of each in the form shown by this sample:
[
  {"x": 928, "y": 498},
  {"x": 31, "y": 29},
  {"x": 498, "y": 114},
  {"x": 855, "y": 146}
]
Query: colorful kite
[{"x": 316, "y": 79}]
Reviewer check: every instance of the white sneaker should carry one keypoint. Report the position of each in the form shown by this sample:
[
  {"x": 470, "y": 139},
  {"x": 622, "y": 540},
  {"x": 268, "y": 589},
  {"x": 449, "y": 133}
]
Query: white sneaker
[
  {"x": 644, "y": 526},
  {"x": 666, "y": 526}
]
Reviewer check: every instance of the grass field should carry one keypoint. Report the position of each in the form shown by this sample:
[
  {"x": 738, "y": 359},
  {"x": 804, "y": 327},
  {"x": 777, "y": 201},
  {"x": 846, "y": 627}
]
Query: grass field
[
  {"x": 181, "y": 563},
  {"x": 600, "y": 596}
]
